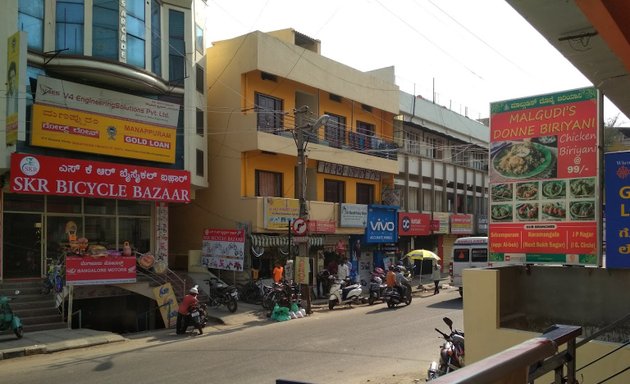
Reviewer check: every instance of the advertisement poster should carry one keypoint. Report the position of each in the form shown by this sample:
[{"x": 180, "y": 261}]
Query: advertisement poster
[
  {"x": 441, "y": 221},
  {"x": 461, "y": 224},
  {"x": 382, "y": 226},
  {"x": 100, "y": 270},
  {"x": 278, "y": 212},
  {"x": 353, "y": 215},
  {"x": 544, "y": 177},
  {"x": 414, "y": 224},
  {"x": 46, "y": 175},
  {"x": 617, "y": 209},
  {"x": 223, "y": 249},
  {"x": 167, "y": 302}
]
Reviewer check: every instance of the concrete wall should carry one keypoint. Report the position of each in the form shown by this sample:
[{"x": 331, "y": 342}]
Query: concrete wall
[{"x": 506, "y": 306}]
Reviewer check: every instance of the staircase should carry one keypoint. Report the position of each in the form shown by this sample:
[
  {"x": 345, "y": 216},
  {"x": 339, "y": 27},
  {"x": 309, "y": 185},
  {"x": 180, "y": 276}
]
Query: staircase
[{"x": 38, "y": 312}]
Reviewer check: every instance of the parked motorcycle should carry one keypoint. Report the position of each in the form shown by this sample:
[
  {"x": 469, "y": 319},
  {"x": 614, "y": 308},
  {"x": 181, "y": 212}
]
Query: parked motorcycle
[
  {"x": 377, "y": 287},
  {"x": 8, "y": 319},
  {"x": 197, "y": 318},
  {"x": 343, "y": 293},
  {"x": 222, "y": 294},
  {"x": 393, "y": 297},
  {"x": 451, "y": 352}
]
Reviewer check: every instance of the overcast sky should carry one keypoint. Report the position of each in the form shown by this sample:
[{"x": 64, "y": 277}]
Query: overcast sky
[{"x": 464, "y": 54}]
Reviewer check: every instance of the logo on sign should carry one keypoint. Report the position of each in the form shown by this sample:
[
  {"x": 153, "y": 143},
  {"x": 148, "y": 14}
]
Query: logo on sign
[
  {"x": 29, "y": 166},
  {"x": 388, "y": 226},
  {"x": 406, "y": 223}
]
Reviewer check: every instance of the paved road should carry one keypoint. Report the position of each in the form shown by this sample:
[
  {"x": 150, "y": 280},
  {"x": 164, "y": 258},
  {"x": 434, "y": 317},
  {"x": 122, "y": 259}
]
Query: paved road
[{"x": 364, "y": 344}]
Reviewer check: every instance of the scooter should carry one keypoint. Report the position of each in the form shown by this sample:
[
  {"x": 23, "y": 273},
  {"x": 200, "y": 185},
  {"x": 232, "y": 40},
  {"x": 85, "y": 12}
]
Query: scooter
[
  {"x": 451, "y": 352},
  {"x": 393, "y": 297},
  {"x": 198, "y": 318},
  {"x": 343, "y": 293},
  {"x": 377, "y": 287},
  {"x": 8, "y": 319}
]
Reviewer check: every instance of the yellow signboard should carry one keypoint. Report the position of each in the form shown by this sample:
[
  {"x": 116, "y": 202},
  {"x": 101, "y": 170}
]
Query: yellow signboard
[
  {"x": 167, "y": 302},
  {"x": 279, "y": 212},
  {"x": 87, "y": 132}
]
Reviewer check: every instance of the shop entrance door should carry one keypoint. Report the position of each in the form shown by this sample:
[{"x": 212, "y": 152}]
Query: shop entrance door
[{"x": 22, "y": 245}]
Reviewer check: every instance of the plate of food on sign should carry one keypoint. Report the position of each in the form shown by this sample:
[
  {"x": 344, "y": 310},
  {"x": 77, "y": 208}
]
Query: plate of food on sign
[
  {"x": 522, "y": 160},
  {"x": 554, "y": 211}
]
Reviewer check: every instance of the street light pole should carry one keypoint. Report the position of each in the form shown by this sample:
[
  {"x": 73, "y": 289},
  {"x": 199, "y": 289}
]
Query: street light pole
[{"x": 301, "y": 143}]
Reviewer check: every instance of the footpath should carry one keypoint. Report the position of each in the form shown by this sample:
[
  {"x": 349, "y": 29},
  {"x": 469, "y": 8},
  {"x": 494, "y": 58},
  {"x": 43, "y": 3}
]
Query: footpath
[{"x": 56, "y": 340}]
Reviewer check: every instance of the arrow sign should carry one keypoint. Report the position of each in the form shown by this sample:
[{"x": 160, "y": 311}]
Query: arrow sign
[{"x": 298, "y": 226}]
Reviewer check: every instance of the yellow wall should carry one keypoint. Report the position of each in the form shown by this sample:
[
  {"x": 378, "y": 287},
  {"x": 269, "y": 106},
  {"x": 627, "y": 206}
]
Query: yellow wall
[{"x": 257, "y": 160}]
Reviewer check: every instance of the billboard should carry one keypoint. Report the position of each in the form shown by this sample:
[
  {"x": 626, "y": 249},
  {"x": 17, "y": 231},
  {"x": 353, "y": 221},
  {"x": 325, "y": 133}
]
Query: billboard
[
  {"x": 382, "y": 224},
  {"x": 223, "y": 249},
  {"x": 543, "y": 173},
  {"x": 617, "y": 209}
]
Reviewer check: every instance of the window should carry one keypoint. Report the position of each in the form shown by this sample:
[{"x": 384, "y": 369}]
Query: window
[
  {"x": 365, "y": 128},
  {"x": 270, "y": 113},
  {"x": 334, "y": 191},
  {"x": 427, "y": 195},
  {"x": 105, "y": 29},
  {"x": 412, "y": 199},
  {"x": 479, "y": 255},
  {"x": 136, "y": 39},
  {"x": 200, "y": 79},
  {"x": 335, "y": 130},
  {"x": 460, "y": 255},
  {"x": 199, "y": 38},
  {"x": 365, "y": 193},
  {"x": 69, "y": 26},
  {"x": 31, "y": 19},
  {"x": 199, "y": 163},
  {"x": 434, "y": 147},
  {"x": 268, "y": 183},
  {"x": 199, "y": 121},
  {"x": 176, "y": 47},
  {"x": 156, "y": 38}
]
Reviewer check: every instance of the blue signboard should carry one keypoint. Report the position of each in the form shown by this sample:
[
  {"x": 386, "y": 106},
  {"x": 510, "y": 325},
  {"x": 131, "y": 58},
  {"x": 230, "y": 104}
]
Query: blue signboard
[
  {"x": 382, "y": 224},
  {"x": 617, "y": 209}
]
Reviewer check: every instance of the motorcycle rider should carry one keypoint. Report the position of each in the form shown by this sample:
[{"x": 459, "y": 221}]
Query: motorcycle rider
[
  {"x": 391, "y": 277},
  {"x": 402, "y": 283},
  {"x": 190, "y": 301}
]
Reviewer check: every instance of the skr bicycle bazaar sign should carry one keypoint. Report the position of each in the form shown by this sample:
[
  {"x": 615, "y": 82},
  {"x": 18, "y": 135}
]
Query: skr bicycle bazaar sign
[{"x": 34, "y": 174}]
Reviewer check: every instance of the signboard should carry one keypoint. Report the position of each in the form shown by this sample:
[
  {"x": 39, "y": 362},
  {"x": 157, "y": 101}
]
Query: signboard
[
  {"x": 617, "y": 209},
  {"x": 347, "y": 171},
  {"x": 544, "y": 188},
  {"x": 302, "y": 270},
  {"x": 461, "y": 224},
  {"x": 443, "y": 219},
  {"x": 223, "y": 249},
  {"x": 278, "y": 212},
  {"x": 100, "y": 270},
  {"x": 414, "y": 224},
  {"x": 87, "y": 119},
  {"x": 382, "y": 226},
  {"x": 167, "y": 302},
  {"x": 46, "y": 175},
  {"x": 322, "y": 226},
  {"x": 16, "y": 75},
  {"x": 353, "y": 215}
]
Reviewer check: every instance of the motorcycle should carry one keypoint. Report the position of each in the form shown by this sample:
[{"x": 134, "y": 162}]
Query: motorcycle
[
  {"x": 222, "y": 294},
  {"x": 451, "y": 352},
  {"x": 343, "y": 293},
  {"x": 198, "y": 318},
  {"x": 377, "y": 287},
  {"x": 8, "y": 319},
  {"x": 393, "y": 297}
]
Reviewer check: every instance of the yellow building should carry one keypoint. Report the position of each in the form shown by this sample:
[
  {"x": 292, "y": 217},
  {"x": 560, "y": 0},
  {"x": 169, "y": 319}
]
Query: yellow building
[{"x": 255, "y": 85}]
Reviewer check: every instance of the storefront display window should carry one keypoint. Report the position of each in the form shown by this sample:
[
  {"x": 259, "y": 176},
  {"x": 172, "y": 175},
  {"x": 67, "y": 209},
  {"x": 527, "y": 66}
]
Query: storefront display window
[
  {"x": 101, "y": 230},
  {"x": 63, "y": 204},
  {"x": 134, "y": 208},
  {"x": 23, "y": 203},
  {"x": 99, "y": 206},
  {"x": 136, "y": 231}
]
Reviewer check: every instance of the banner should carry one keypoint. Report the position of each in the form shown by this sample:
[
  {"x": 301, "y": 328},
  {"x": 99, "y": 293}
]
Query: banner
[
  {"x": 278, "y": 212},
  {"x": 223, "y": 249},
  {"x": 543, "y": 173},
  {"x": 617, "y": 165},
  {"x": 100, "y": 270},
  {"x": 414, "y": 224},
  {"x": 45, "y": 175}
]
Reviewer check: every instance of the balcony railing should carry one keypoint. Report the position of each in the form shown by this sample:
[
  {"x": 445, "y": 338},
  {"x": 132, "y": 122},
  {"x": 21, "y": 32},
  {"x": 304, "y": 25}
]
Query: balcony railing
[{"x": 348, "y": 140}]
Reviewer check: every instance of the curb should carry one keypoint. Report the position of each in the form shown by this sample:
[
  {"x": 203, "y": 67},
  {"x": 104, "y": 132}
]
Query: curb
[{"x": 38, "y": 349}]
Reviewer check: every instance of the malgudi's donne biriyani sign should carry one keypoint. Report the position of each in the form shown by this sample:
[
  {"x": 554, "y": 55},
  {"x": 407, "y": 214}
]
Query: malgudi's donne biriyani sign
[{"x": 544, "y": 178}]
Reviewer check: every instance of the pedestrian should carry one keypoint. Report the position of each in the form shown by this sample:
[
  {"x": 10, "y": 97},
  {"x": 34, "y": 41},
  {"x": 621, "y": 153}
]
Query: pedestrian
[
  {"x": 343, "y": 271},
  {"x": 436, "y": 275},
  {"x": 278, "y": 272}
]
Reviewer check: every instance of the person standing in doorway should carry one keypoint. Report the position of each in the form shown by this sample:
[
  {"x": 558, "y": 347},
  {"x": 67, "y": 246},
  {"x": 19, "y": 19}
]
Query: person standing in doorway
[
  {"x": 436, "y": 275},
  {"x": 278, "y": 273}
]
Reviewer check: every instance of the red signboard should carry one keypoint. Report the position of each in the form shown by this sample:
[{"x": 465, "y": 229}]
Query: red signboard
[
  {"x": 100, "y": 270},
  {"x": 36, "y": 174},
  {"x": 321, "y": 226},
  {"x": 414, "y": 224}
]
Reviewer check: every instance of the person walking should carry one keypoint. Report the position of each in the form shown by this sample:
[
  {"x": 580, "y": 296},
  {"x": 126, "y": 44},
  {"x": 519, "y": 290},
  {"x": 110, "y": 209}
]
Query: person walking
[{"x": 436, "y": 275}]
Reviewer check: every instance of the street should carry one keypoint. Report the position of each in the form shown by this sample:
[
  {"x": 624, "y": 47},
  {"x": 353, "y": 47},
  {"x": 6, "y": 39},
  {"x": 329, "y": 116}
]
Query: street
[{"x": 363, "y": 344}]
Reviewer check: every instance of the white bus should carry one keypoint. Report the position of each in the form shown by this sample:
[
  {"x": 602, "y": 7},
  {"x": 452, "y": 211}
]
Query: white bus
[{"x": 472, "y": 252}]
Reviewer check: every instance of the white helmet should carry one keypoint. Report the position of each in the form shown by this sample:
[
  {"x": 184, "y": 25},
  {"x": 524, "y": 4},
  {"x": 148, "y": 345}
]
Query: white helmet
[{"x": 194, "y": 290}]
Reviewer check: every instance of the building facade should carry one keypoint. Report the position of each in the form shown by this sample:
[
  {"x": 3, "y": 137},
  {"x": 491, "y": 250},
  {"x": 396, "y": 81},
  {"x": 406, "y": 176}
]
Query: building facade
[
  {"x": 443, "y": 176},
  {"x": 261, "y": 87},
  {"x": 105, "y": 126}
]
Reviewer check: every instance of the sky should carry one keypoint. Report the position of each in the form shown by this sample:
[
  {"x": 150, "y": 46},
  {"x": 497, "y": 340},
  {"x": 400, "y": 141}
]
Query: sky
[{"x": 462, "y": 54}]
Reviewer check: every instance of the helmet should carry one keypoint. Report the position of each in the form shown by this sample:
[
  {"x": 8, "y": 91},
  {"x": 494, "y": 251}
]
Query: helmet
[
  {"x": 194, "y": 290},
  {"x": 396, "y": 269},
  {"x": 379, "y": 270}
]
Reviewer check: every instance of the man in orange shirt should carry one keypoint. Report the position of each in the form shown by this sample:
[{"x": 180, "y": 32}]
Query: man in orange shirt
[
  {"x": 391, "y": 277},
  {"x": 278, "y": 272}
]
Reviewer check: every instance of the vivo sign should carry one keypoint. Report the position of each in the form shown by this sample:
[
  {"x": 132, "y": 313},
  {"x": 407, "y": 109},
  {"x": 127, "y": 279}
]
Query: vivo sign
[{"x": 382, "y": 224}]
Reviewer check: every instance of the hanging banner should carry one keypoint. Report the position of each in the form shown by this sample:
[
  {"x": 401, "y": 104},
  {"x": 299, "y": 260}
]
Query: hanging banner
[
  {"x": 46, "y": 175},
  {"x": 223, "y": 249},
  {"x": 543, "y": 173}
]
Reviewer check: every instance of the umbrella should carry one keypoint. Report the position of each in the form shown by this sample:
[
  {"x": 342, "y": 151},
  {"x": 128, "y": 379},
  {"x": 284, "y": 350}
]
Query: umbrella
[{"x": 422, "y": 254}]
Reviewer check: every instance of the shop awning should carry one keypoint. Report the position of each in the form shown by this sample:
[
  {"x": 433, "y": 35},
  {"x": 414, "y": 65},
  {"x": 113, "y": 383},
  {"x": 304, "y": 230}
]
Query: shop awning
[{"x": 283, "y": 241}]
